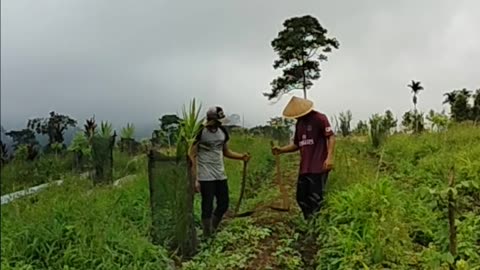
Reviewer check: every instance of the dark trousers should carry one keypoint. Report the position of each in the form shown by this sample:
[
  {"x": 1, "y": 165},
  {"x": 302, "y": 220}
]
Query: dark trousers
[
  {"x": 209, "y": 190},
  {"x": 310, "y": 188}
]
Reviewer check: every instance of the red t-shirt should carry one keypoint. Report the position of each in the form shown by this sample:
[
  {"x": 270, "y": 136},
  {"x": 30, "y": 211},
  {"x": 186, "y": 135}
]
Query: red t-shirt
[{"x": 311, "y": 133}]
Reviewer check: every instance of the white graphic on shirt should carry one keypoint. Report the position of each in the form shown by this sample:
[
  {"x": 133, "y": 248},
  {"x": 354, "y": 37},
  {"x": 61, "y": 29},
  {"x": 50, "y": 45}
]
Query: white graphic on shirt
[{"x": 305, "y": 141}]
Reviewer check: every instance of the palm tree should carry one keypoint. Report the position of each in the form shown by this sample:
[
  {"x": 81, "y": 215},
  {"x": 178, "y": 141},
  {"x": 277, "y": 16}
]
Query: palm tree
[
  {"x": 466, "y": 93},
  {"x": 450, "y": 97},
  {"x": 416, "y": 88}
]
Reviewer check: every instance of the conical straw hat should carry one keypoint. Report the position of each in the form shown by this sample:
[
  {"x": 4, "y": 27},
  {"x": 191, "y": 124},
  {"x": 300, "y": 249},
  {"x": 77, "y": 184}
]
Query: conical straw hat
[{"x": 297, "y": 107}]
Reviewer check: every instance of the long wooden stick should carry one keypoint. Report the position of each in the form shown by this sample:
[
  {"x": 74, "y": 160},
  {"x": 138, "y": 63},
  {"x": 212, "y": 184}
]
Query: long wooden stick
[
  {"x": 279, "y": 181},
  {"x": 242, "y": 191}
]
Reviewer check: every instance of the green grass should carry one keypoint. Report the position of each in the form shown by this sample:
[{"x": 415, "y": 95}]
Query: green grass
[
  {"x": 80, "y": 227},
  {"x": 385, "y": 208},
  {"x": 397, "y": 218},
  {"x": 18, "y": 174},
  {"x": 85, "y": 227}
]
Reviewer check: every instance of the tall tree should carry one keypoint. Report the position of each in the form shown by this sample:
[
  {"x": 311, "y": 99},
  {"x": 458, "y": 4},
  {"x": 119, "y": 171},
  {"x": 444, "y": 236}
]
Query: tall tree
[
  {"x": 22, "y": 137},
  {"x": 461, "y": 109},
  {"x": 416, "y": 87},
  {"x": 170, "y": 125},
  {"x": 54, "y": 127},
  {"x": 301, "y": 46},
  {"x": 413, "y": 121},
  {"x": 389, "y": 121},
  {"x": 476, "y": 106},
  {"x": 450, "y": 98}
]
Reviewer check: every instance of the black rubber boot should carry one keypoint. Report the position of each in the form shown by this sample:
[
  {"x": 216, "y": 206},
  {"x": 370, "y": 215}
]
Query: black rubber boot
[
  {"x": 207, "y": 227},
  {"x": 215, "y": 222}
]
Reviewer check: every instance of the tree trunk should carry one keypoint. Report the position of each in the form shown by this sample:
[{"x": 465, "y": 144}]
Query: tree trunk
[
  {"x": 304, "y": 82},
  {"x": 415, "y": 113}
]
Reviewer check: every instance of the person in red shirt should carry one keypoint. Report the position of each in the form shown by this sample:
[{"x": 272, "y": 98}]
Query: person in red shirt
[{"x": 315, "y": 140}]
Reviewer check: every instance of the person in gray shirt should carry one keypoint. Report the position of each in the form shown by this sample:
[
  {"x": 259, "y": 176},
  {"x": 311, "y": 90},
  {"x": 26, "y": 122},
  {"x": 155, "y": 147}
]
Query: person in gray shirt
[{"x": 207, "y": 153}]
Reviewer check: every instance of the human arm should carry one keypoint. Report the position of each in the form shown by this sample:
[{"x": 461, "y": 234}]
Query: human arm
[
  {"x": 330, "y": 141},
  {"x": 328, "y": 165},
  {"x": 277, "y": 150},
  {"x": 192, "y": 153},
  {"x": 228, "y": 153}
]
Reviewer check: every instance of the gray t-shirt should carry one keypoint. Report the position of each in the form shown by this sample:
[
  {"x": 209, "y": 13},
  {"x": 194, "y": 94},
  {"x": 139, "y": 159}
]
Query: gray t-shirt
[{"x": 210, "y": 165}]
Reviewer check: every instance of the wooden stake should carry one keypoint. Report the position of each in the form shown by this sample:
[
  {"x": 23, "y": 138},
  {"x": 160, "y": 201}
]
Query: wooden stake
[{"x": 283, "y": 192}]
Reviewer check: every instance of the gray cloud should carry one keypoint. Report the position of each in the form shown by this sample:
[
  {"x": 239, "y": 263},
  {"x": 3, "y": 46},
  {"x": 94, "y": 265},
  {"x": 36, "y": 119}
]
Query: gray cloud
[{"x": 136, "y": 60}]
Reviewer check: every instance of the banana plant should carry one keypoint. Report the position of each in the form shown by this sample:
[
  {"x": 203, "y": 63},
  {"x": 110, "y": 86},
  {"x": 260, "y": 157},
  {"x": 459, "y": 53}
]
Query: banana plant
[
  {"x": 128, "y": 132},
  {"x": 80, "y": 145},
  {"x": 56, "y": 148},
  {"x": 106, "y": 129}
]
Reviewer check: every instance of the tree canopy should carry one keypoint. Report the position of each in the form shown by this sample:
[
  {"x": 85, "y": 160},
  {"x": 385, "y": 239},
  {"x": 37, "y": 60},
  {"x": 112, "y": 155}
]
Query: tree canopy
[
  {"x": 464, "y": 104},
  {"x": 54, "y": 126},
  {"x": 22, "y": 137},
  {"x": 301, "y": 46}
]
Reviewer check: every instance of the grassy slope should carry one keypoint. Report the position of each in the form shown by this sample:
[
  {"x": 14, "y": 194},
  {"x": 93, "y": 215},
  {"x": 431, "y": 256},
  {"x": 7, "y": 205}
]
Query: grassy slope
[
  {"x": 379, "y": 212},
  {"x": 18, "y": 175},
  {"x": 398, "y": 220},
  {"x": 375, "y": 216},
  {"x": 74, "y": 223}
]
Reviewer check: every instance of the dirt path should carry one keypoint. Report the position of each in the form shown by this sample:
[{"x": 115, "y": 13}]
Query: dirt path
[{"x": 289, "y": 246}]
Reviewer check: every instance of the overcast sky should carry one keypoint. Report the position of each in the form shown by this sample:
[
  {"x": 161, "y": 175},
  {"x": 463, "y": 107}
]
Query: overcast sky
[{"x": 132, "y": 61}]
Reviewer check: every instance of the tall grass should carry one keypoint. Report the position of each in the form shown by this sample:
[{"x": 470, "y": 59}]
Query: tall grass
[
  {"x": 75, "y": 227},
  {"x": 397, "y": 219},
  {"x": 81, "y": 227}
]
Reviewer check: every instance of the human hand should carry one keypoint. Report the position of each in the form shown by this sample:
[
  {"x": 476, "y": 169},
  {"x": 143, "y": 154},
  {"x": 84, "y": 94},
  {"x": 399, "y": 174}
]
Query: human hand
[
  {"x": 328, "y": 164},
  {"x": 246, "y": 157},
  {"x": 276, "y": 150},
  {"x": 197, "y": 186}
]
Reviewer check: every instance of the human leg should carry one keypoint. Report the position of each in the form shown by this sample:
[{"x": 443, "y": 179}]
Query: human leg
[
  {"x": 222, "y": 199},
  {"x": 302, "y": 195},
  {"x": 207, "y": 191}
]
